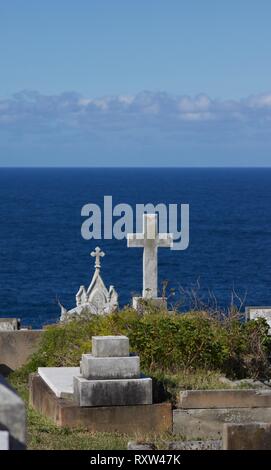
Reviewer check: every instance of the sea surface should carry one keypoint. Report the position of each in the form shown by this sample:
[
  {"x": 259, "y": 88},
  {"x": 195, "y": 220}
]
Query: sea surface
[{"x": 43, "y": 256}]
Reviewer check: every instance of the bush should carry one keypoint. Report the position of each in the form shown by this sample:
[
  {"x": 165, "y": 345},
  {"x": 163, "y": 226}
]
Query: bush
[{"x": 165, "y": 342}]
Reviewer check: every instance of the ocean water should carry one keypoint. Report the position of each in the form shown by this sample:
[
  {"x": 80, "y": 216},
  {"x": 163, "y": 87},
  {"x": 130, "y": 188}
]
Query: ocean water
[{"x": 44, "y": 257}]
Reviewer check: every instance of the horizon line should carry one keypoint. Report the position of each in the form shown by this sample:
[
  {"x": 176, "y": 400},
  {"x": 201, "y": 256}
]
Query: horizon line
[{"x": 135, "y": 167}]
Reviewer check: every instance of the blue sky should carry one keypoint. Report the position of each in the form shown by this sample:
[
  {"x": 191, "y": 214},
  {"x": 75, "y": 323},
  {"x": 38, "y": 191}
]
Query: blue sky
[{"x": 146, "y": 82}]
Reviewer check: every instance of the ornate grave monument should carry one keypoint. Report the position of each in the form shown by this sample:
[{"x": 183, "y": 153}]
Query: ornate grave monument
[{"x": 97, "y": 299}]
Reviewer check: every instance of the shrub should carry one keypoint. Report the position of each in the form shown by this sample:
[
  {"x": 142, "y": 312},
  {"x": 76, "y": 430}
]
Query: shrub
[{"x": 165, "y": 342}]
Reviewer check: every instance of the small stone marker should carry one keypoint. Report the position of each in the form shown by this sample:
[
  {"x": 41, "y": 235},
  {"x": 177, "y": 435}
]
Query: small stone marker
[
  {"x": 9, "y": 324},
  {"x": 150, "y": 240},
  {"x": 4, "y": 440},
  {"x": 253, "y": 313},
  {"x": 110, "y": 377}
]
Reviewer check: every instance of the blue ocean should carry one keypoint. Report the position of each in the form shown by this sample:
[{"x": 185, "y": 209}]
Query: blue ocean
[{"x": 43, "y": 256}]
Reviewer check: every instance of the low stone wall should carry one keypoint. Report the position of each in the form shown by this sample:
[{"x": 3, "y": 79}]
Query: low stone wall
[
  {"x": 16, "y": 347},
  {"x": 202, "y": 399},
  {"x": 201, "y": 414}
]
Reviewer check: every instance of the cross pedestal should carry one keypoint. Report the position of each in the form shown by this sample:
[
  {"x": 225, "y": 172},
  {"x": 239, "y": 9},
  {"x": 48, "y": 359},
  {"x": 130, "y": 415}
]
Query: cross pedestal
[{"x": 150, "y": 240}]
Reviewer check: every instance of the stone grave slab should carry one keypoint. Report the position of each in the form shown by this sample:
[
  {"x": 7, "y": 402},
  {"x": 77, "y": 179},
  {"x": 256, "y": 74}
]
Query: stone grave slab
[
  {"x": 132, "y": 419},
  {"x": 118, "y": 398},
  {"x": 59, "y": 379}
]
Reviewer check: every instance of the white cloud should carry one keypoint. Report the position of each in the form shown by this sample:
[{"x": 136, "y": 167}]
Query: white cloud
[{"x": 31, "y": 112}]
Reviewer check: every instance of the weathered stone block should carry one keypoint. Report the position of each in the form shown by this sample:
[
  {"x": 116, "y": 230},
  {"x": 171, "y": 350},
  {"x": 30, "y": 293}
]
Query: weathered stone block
[
  {"x": 132, "y": 420},
  {"x": 224, "y": 399},
  {"x": 12, "y": 415},
  {"x": 118, "y": 392},
  {"x": 254, "y": 436},
  {"x": 94, "y": 368},
  {"x": 208, "y": 423},
  {"x": 110, "y": 346}
]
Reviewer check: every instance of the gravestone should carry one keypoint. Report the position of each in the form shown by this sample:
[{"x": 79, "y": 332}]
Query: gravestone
[
  {"x": 106, "y": 394},
  {"x": 97, "y": 299},
  {"x": 110, "y": 376},
  {"x": 150, "y": 240},
  {"x": 9, "y": 324},
  {"x": 253, "y": 313},
  {"x": 12, "y": 416}
]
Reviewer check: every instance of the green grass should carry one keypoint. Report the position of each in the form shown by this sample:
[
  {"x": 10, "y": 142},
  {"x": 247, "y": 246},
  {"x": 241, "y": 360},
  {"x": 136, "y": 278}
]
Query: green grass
[{"x": 43, "y": 435}]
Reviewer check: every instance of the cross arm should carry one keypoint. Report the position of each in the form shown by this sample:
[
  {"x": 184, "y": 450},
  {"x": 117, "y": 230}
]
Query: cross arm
[
  {"x": 135, "y": 240},
  {"x": 165, "y": 240}
]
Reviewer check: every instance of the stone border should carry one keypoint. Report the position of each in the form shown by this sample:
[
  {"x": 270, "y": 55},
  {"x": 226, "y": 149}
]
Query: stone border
[{"x": 214, "y": 399}]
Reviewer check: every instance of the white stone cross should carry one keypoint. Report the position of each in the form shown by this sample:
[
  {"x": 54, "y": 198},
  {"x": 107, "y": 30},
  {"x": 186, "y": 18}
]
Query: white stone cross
[
  {"x": 97, "y": 254},
  {"x": 150, "y": 240}
]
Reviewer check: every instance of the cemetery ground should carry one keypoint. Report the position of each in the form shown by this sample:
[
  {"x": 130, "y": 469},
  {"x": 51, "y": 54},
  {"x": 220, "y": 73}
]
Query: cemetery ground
[{"x": 196, "y": 350}]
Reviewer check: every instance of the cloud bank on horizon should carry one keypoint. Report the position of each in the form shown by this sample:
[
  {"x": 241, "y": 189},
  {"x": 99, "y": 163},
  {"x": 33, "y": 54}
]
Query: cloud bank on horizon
[{"x": 145, "y": 120}]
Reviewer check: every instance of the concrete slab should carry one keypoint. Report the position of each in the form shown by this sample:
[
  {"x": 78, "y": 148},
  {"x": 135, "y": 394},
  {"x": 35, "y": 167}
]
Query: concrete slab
[
  {"x": 59, "y": 379},
  {"x": 96, "y": 368},
  {"x": 110, "y": 346},
  {"x": 224, "y": 399},
  {"x": 118, "y": 392},
  {"x": 4, "y": 440},
  {"x": 132, "y": 420}
]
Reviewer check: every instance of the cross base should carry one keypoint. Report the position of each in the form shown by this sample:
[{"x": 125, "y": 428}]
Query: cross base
[{"x": 138, "y": 303}]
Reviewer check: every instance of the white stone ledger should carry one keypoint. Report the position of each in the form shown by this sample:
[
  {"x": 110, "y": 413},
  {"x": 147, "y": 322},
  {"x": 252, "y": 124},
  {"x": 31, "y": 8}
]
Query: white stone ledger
[{"x": 150, "y": 240}]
